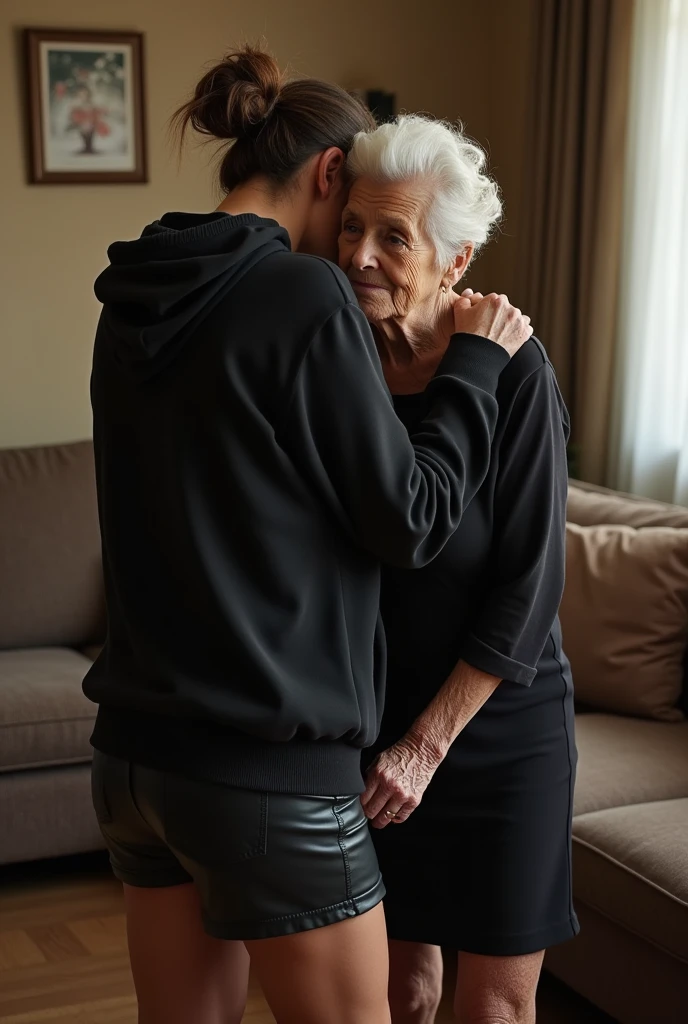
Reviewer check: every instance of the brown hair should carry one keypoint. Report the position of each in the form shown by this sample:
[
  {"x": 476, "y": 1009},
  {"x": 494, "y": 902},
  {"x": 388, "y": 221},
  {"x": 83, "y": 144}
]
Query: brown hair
[{"x": 273, "y": 126}]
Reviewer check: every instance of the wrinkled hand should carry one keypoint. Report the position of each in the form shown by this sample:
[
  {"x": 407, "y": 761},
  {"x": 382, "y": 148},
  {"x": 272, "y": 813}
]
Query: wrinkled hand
[
  {"x": 396, "y": 782},
  {"x": 493, "y": 317}
]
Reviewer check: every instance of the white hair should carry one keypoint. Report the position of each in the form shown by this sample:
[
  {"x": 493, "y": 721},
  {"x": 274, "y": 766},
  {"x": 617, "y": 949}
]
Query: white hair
[{"x": 464, "y": 203}]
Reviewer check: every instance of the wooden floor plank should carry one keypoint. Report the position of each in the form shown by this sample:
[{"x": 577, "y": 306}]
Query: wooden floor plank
[
  {"x": 17, "y": 950},
  {"x": 44, "y": 906},
  {"x": 64, "y": 983},
  {"x": 57, "y": 942},
  {"x": 101, "y": 935},
  {"x": 121, "y": 1010}
]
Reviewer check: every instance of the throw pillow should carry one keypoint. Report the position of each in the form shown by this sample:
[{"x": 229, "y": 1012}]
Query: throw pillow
[{"x": 624, "y": 617}]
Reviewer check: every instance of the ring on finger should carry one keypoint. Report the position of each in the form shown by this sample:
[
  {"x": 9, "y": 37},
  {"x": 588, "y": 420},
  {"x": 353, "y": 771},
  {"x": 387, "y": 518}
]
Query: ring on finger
[{"x": 392, "y": 814}]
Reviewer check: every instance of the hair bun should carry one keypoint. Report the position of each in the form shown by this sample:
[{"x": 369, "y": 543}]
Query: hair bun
[
  {"x": 236, "y": 95},
  {"x": 245, "y": 97}
]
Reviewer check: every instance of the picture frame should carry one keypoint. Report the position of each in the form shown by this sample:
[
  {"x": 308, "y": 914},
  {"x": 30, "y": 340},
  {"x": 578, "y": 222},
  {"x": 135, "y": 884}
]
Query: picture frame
[{"x": 85, "y": 107}]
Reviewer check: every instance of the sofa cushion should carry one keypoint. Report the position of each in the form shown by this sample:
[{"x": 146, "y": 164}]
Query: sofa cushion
[
  {"x": 45, "y": 720},
  {"x": 51, "y": 814},
  {"x": 624, "y": 761},
  {"x": 593, "y": 506},
  {"x": 631, "y": 864},
  {"x": 624, "y": 617},
  {"x": 51, "y": 589}
]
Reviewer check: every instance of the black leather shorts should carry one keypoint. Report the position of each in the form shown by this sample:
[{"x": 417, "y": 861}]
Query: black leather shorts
[{"x": 265, "y": 864}]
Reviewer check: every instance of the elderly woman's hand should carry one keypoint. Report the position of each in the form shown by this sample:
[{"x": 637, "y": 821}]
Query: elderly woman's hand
[
  {"x": 493, "y": 317},
  {"x": 396, "y": 782}
]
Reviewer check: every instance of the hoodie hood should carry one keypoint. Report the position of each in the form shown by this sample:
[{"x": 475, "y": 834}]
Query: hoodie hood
[{"x": 158, "y": 287}]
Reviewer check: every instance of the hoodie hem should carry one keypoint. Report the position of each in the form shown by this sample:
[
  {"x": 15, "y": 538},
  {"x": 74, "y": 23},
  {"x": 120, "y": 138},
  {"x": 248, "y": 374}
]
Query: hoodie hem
[{"x": 207, "y": 752}]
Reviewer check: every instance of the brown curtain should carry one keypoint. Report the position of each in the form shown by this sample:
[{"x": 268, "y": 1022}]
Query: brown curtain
[{"x": 573, "y": 205}]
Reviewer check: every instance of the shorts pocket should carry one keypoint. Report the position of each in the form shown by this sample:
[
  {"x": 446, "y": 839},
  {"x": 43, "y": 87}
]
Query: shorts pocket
[{"x": 214, "y": 825}]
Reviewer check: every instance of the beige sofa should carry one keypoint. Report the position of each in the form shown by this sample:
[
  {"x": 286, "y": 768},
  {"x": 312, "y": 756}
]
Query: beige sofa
[
  {"x": 51, "y": 619},
  {"x": 631, "y": 811},
  {"x": 630, "y": 833}
]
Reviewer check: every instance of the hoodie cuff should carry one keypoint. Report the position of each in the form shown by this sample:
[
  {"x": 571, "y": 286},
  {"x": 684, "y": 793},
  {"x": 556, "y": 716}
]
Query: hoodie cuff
[{"x": 476, "y": 360}]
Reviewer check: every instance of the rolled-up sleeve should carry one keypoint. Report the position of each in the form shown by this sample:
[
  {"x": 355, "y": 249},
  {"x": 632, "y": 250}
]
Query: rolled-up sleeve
[{"x": 527, "y": 561}]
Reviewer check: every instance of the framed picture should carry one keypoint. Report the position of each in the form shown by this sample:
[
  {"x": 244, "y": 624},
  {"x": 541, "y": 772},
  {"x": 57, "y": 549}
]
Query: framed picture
[{"x": 86, "y": 107}]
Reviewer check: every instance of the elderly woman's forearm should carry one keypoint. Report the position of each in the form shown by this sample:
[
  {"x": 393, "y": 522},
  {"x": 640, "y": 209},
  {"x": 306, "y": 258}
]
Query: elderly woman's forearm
[{"x": 461, "y": 697}]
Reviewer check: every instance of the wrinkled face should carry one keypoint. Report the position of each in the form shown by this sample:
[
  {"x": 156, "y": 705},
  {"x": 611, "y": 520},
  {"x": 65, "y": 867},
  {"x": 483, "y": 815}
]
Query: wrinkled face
[{"x": 385, "y": 250}]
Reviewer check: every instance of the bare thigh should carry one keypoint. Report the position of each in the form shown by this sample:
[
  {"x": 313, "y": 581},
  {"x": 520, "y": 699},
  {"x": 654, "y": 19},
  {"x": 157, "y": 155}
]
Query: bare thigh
[
  {"x": 415, "y": 982},
  {"x": 332, "y": 975},
  {"x": 497, "y": 989},
  {"x": 182, "y": 975}
]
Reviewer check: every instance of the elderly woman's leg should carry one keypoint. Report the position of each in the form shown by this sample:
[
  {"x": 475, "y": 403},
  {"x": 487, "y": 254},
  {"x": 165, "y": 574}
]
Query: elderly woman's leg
[
  {"x": 415, "y": 982},
  {"x": 497, "y": 989}
]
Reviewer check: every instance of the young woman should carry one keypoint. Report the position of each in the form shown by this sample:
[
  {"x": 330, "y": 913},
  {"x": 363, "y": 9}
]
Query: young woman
[{"x": 252, "y": 474}]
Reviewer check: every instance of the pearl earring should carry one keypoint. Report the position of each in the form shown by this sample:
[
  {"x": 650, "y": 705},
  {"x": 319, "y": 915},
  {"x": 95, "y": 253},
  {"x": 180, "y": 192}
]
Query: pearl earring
[{"x": 444, "y": 289}]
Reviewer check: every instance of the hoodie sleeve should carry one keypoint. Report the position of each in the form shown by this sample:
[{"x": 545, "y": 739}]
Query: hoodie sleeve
[{"x": 401, "y": 497}]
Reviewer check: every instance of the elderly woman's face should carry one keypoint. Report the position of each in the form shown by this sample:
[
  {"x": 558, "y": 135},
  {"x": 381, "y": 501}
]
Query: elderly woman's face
[{"x": 385, "y": 251}]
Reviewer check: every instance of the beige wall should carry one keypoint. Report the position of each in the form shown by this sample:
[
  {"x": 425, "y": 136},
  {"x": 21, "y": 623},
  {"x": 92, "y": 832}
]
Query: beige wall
[
  {"x": 497, "y": 116},
  {"x": 440, "y": 57}
]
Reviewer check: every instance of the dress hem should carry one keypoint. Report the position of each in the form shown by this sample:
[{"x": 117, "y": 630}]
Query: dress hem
[{"x": 521, "y": 944}]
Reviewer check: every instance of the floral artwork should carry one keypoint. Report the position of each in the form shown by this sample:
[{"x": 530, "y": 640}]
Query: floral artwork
[{"x": 87, "y": 105}]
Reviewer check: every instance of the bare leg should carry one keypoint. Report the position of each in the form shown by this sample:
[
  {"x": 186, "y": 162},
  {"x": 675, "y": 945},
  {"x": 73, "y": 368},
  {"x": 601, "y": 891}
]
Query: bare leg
[
  {"x": 415, "y": 982},
  {"x": 497, "y": 989},
  {"x": 332, "y": 975},
  {"x": 182, "y": 975}
]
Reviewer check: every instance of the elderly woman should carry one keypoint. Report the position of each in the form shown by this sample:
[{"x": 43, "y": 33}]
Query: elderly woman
[{"x": 478, "y": 723}]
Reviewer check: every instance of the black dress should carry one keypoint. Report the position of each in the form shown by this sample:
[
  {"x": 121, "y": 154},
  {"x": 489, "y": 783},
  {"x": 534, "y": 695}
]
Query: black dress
[{"x": 484, "y": 863}]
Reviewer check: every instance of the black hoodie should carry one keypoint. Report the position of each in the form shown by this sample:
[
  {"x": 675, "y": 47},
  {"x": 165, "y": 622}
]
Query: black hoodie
[{"x": 252, "y": 475}]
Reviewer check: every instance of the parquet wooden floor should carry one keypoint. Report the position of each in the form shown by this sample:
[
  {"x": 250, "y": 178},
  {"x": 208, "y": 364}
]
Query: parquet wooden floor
[{"x": 63, "y": 957}]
